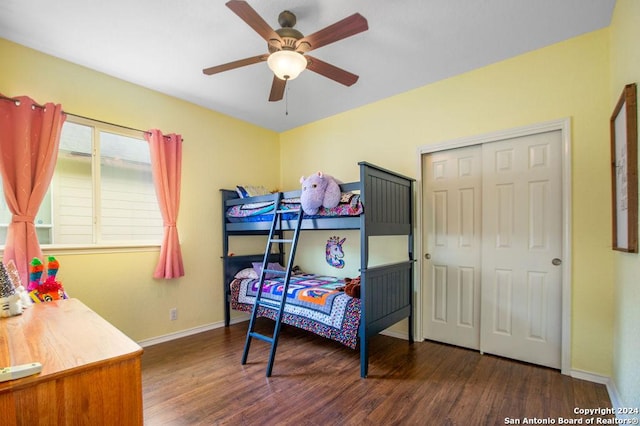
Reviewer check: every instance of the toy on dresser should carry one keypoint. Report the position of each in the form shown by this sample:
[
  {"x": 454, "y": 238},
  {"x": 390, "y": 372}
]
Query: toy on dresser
[
  {"x": 50, "y": 288},
  {"x": 13, "y": 296}
]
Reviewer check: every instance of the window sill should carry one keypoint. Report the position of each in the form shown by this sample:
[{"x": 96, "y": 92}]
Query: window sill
[{"x": 95, "y": 249}]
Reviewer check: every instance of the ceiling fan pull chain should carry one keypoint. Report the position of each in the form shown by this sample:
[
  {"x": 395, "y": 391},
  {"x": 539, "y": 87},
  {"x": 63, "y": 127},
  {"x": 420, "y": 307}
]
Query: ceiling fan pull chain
[{"x": 286, "y": 101}]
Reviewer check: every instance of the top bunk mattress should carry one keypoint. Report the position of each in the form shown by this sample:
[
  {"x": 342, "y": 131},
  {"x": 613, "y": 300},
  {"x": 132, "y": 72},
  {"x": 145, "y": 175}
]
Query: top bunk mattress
[{"x": 349, "y": 205}]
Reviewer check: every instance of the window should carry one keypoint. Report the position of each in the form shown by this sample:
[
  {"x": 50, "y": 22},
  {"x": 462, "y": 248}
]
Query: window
[{"x": 101, "y": 193}]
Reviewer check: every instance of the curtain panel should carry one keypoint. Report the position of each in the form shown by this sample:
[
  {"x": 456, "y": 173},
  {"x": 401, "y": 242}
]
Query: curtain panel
[
  {"x": 166, "y": 165},
  {"x": 29, "y": 140}
]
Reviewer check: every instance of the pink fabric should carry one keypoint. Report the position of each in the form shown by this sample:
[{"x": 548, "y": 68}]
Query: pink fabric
[
  {"x": 166, "y": 163},
  {"x": 29, "y": 140}
]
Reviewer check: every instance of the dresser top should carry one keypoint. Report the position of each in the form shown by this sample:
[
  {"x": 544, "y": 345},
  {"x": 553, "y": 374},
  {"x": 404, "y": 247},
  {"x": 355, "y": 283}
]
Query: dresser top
[{"x": 65, "y": 336}]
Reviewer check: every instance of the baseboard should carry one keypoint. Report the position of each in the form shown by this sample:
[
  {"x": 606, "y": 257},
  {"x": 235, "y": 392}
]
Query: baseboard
[
  {"x": 590, "y": 377},
  {"x": 177, "y": 335},
  {"x": 396, "y": 334},
  {"x": 207, "y": 327},
  {"x": 184, "y": 333},
  {"x": 614, "y": 395},
  {"x": 618, "y": 405}
]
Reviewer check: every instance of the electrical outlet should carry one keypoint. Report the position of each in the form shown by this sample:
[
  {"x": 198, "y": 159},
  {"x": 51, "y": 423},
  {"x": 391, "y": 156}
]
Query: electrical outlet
[{"x": 173, "y": 314}]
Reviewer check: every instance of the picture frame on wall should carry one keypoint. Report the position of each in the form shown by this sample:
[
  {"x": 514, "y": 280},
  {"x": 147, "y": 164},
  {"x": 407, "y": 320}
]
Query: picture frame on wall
[{"x": 624, "y": 171}]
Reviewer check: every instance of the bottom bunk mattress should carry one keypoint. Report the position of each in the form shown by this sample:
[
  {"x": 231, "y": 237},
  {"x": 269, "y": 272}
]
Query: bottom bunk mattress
[{"x": 314, "y": 303}]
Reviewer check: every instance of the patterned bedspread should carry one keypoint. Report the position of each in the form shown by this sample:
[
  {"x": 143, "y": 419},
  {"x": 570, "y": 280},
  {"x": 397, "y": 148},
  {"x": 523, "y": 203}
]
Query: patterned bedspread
[
  {"x": 313, "y": 304},
  {"x": 349, "y": 205}
]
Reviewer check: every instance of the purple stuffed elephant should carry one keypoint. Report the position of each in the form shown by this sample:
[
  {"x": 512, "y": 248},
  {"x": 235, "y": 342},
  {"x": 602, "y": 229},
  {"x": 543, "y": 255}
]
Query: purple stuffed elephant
[{"x": 319, "y": 190}]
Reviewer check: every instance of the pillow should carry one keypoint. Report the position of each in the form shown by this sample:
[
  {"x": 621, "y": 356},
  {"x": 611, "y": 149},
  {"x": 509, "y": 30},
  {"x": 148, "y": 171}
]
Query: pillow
[
  {"x": 251, "y": 191},
  {"x": 257, "y": 266},
  {"x": 246, "y": 273},
  {"x": 256, "y": 206}
]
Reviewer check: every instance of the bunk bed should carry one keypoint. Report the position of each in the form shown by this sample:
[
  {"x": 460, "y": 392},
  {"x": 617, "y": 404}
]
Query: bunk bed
[{"x": 386, "y": 291}]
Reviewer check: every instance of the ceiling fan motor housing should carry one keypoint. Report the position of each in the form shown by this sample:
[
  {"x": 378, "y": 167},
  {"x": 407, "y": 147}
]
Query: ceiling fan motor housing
[{"x": 288, "y": 35}]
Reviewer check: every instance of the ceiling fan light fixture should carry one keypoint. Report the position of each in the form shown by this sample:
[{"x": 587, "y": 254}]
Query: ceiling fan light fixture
[{"x": 287, "y": 64}]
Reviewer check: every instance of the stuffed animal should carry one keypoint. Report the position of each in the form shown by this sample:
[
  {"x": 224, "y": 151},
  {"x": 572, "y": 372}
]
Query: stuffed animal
[
  {"x": 10, "y": 306},
  {"x": 14, "y": 275},
  {"x": 10, "y": 303},
  {"x": 351, "y": 287},
  {"x": 319, "y": 190}
]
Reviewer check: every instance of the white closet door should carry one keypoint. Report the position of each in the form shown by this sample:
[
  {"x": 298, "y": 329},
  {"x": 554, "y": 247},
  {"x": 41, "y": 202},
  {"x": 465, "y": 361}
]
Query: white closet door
[
  {"x": 521, "y": 248},
  {"x": 452, "y": 194},
  {"x": 493, "y": 232}
]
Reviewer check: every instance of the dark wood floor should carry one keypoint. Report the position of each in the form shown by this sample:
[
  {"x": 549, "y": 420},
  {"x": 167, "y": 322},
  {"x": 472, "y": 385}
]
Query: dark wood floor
[{"x": 198, "y": 380}]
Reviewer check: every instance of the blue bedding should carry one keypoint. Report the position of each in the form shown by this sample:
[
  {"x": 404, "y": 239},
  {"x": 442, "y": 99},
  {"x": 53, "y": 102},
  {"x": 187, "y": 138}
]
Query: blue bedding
[{"x": 350, "y": 205}]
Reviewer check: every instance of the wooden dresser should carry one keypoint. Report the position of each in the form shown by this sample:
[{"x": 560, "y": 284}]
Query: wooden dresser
[{"x": 90, "y": 370}]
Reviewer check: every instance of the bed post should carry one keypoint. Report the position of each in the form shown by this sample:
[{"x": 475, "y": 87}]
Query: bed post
[
  {"x": 412, "y": 260},
  {"x": 386, "y": 291},
  {"x": 226, "y": 195},
  {"x": 364, "y": 261}
]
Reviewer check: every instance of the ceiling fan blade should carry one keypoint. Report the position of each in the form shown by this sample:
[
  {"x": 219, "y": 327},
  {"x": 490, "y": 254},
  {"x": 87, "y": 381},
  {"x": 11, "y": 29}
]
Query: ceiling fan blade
[
  {"x": 235, "y": 64},
  {"x": 251, "y": 17},
  {"x": 347, "y": 27},
  {"x": 277, "y": 89},
  {"x": 331, "y": 71}
]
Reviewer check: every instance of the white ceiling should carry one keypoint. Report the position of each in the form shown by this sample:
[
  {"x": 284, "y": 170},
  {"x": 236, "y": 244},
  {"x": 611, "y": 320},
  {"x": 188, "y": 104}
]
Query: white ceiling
[{"x": 165, "y": 44}]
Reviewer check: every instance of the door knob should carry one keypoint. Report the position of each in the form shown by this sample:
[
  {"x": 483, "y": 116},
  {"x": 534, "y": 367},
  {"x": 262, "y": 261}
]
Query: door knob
[
  {"x": 427, "y": 256},
  {"x": 556, "y": 261}
]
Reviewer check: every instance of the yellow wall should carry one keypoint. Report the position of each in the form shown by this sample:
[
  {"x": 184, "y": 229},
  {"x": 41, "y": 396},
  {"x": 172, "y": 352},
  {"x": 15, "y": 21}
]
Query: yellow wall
[
  {"x": 625, "y": 69},
  {"x": 569, "y": 79},
  {"x": 119, "y": 285}
]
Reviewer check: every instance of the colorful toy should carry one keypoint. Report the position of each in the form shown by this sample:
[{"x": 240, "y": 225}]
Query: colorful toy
[
  {"x": 319, "y": 190},
  {"x": 334, "y": 253},
  {"x": 10, "y": 303},
  {"x": 14, "y": 276},
  {"x": 50, "y": 288}
]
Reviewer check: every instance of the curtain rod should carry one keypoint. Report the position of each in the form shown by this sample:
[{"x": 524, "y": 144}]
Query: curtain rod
[
  {"x": 17, "y": 102},
  {"x": 106, "y": 122}
]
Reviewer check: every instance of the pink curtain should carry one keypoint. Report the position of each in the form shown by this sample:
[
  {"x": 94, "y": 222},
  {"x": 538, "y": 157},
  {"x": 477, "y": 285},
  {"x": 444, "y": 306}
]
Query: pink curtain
[
  {"x": 29, "y": 140},
  {"x": 166, "y": 163}
]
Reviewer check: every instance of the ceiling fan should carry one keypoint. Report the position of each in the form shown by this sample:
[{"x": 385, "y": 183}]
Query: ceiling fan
[{"x": 288, "y": 47}]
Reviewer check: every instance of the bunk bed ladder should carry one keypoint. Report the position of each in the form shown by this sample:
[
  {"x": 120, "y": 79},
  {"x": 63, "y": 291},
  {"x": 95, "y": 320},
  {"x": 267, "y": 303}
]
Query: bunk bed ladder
[{"x": 275, "y": 237}]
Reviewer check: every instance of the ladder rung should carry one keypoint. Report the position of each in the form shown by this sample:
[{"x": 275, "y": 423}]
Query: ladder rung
[
  {"x": 269, "y": 303},
  {"x": 288, "y": 211},
  {"x": 261, "y": 337},
  {"x": 275, "y": 271},
  {"x": 280, "y": 241}
]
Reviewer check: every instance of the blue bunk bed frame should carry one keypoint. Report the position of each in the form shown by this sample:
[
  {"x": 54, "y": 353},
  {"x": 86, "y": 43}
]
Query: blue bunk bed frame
[{"x": 386, "y": 292}]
